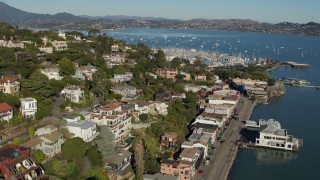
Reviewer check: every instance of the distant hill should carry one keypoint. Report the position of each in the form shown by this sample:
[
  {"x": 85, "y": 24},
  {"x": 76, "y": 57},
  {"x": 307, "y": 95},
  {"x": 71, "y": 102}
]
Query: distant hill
[
  {"x": 122, "y": 17},
  {"x": 16, "y": 16},
  {"x": 223, "y": 22}
]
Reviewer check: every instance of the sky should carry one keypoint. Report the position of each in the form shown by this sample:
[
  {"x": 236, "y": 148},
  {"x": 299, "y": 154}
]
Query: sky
[{"x": 272, "y": 11}]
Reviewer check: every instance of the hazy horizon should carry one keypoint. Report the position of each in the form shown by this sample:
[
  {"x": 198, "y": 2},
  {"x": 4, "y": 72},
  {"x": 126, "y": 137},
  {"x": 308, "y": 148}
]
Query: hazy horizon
[{"x": 271, "y": 11}]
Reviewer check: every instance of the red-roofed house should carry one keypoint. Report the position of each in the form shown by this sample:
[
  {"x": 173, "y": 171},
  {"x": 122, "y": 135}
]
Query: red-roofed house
[
  {"x": 16, "y": 162},
  {"x": 6, "y": 112},
  {"x": 9, "y": 85},
  {"x": 169, "y": 73}
]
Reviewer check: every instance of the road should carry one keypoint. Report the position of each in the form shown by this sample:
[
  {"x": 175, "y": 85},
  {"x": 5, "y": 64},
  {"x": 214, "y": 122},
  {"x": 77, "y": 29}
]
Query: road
[{"x": 222, "y": 158}]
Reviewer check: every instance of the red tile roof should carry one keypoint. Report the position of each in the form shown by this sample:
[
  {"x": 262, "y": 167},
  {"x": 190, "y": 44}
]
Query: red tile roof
[
  {"x": 6, "y": 79},
  {"x": 5, "y": 107}
]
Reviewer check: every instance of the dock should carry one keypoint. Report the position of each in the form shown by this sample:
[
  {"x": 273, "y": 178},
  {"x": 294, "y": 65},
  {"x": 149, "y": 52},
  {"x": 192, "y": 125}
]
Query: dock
[{"x": 298, "y": 65}]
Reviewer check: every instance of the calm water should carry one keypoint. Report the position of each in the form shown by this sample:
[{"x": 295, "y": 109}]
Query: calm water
[{"x": 298, "y": 111}]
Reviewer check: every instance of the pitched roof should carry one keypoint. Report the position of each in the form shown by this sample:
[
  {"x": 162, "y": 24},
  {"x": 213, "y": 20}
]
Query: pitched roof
[
  {"x": 10, "y": 79},
  {"x": 5, "y": 107},
  {"x": 32, "y": 142},
  {"x": 54, "y": 136}
]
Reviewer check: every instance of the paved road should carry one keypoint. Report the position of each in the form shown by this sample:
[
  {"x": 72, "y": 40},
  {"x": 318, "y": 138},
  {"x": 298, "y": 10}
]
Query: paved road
[{"x": 222, "y": 158}]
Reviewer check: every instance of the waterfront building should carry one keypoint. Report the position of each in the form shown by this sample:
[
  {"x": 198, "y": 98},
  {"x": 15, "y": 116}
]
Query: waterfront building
[
  {"x": 9, "y": 85},
  {"x": 6, "y": 112},
  {"x": 18, "y": 163},
  {"x": 28, "y": 107},
  {"x": 277, "y": 138},
  {"x": 211, "y": 118}
]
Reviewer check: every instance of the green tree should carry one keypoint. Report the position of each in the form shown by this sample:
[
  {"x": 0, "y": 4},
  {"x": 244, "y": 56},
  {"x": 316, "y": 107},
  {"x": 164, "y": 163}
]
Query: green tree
[
  {"x": 95, "y": 157},
  {"x": 143, "y": 117},
  {"x": 94, "y": 32},
  {"x": 31, "y": 131},
  {"x": 67, "y": 67},
  {"x": 74, "y": 149},
  {"x": 38, "y": 156},
  {"x": 17, "y": 141},
  {"x": 37, "y": 84},
  {"x": 105, "y": 142}
]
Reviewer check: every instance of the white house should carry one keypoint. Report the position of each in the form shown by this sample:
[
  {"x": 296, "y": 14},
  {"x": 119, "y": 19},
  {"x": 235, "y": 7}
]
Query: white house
[
  {"x": 9, "y": 85},
  {"x": 220, "y": 109},
  {"x": 48, "y": 140},
  {"x": 119, "y": 124},
  {"x": 85, "y": 130},
  {"x": 126, "y": 77},
  {"x": 62, "y": 35},
  {"x": 28, "y": 107},
  {"x": 6, "y": 112},
  {"x": 211, "y": 118},
  {"x": 52, "y": 73},
  {"x": 74, "y": 93},
  {"x": 200, "y": 77},
  {"x": 59, "y": 45},
  {"x": 48, "y": 50},
  {"x": 14, "y": 44},
  {"x": 88, "y": 71},
  {"x": 158, "y": 107}
]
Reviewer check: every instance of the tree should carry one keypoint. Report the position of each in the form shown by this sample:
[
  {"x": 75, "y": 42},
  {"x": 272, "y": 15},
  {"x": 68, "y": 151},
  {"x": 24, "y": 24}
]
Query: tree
[
  {"x": 31, "y": 131},
  {"x": 17, "y": 141},
  {"x": 74, "y": 149},
  {"x": 94, "y": 32},
  {"x": 105, "y": 142},
  {"x": 95, "y": 157},
  {"x": 143, "y": 117},
  {"x": 67, "y": 67},
  {"x": 37, "y": 84},
  {"x": 38, "y": 156}
]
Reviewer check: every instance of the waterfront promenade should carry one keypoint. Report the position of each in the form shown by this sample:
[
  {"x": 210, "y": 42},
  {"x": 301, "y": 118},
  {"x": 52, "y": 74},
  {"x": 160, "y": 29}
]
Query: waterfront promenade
[{"x": 225, "y": 153}]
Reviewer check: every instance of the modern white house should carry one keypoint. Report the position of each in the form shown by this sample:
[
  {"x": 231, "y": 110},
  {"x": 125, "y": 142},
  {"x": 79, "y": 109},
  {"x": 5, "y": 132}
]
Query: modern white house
[
  {"x": 60, "y": 45},
  {"x": 48, "y": 139},
  {"x": 211, "y": 118},
  {"x": 6, "y": 112},
  {"x": 62, "y": 34},
  {"x": 52, "y": 73},
  {"x": 9, "y": 85},
  {"x": 74, "y": 93},
  {"x": 158, "y": 107},
  {"x": 119, "y": 124},
  {"x": 85, "y": 130},
  {"x": 28, "y": 107}
]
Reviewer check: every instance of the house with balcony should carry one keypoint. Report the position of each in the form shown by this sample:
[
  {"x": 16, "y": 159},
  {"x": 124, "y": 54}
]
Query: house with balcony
[
  {"x": 18, "y": 163},
  {"x": 168, "y": 73},
  {"x": 194, "y": 156},
  {"x": 6, "y": 112},
  {"x": 125, "y": 91},
  {"x": 47, "y": 139},
  {"x": 9, "y": 85},
  {"x": 179, "y": 168},
  {"x": 59, "y": 45},
  {"x": 88, "y": 71},
  {"x": 52, "y": 73},
  {"x": 200, "y": 77},
  {"x": 119, "y": 124},
  {"x": 23, "y": 56},
  {"x": 85, "y": 130},
  {"x": 169, "y": 142},
  {"x": 74, "y": 93},
  {"x": 118, "y": 166},
  {"x": 119, "y": 78},
  {"x": 28, "y": 107}
]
